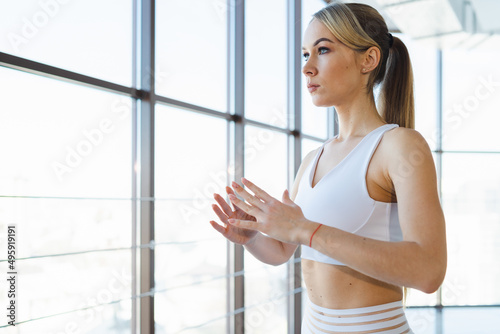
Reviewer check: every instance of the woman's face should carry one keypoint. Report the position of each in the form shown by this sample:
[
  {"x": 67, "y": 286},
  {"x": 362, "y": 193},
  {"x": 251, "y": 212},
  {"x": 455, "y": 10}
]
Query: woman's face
[{"x": 333, "y": 75}]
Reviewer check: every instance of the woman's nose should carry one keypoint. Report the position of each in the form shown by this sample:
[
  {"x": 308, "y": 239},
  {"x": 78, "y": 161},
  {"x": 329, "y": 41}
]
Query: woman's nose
[{"x": 308, "y": 69}]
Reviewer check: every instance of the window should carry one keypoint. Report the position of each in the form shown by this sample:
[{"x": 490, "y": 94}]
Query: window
[
  {"x": 471, "y": 190},
  {"x": 72, "y": 35},
  {"x": 191, "y": 66},
  {"x": 265, "y": 68},
  {"x": 190, "y": 257},
  {"x": 66, "y": 187},
  {"x": 110, "y": 182},
  {"x": 266, "y": 286},
  {"x": 112, "y": 153}
]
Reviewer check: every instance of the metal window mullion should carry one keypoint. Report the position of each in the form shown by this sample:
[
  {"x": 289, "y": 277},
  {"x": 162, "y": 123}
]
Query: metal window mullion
[
  {"x": 294, "y": 97},
  {"x": 439, "y": 170},
  {"x": 236, "y": 101},
  {"x": 33, "y": 67},
  {"x": 439, "y": 141},
  {"x": 134, "y": 323},
  {"x": 146, "y": 137},
  {"x": 190, "y": 107},
  {"x": 333, "y": 122}
]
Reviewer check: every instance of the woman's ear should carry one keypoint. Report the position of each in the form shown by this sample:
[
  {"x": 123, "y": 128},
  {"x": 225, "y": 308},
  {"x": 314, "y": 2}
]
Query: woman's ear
[{"x": 370, "y": 59}]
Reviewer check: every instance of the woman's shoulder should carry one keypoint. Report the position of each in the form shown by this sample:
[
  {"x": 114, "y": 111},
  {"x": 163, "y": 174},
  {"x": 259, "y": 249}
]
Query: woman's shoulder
[
  {"x": 402, "y": 139},
  {"x": 405, "y": 151}
]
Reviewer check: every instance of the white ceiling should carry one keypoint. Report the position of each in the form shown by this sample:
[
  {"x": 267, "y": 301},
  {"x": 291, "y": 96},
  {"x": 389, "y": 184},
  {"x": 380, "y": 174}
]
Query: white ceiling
[{"x": 444, "y": 23}]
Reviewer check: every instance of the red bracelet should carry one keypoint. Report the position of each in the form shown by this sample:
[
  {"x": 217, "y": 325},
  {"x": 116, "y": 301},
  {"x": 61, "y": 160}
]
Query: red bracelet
[{"x": 312, "y": 235}]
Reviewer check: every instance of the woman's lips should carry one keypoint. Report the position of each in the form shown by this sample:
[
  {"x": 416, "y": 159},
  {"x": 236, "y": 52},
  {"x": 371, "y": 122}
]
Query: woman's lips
[{"x": 312, "y": 87}]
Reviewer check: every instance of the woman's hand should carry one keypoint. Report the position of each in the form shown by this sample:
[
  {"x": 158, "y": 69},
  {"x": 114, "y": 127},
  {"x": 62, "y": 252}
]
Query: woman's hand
[
  {"x": 283, "y": 221},
  {"x": 233, "y": 233}
]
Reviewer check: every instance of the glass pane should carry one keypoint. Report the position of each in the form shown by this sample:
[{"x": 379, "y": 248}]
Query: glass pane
[
  {"x": 191, "y": 157},
  {"x": 471, "y": 197},
  {"x": 424, "y": 62},
  {"x": 76, "y": 282},
  {"x": 266, "y": 286},
  {"x": 465, "y": 320},
  {"x": 104, "y": 319},
  {"x": 63, "y": 140},
  {"x": 314, "y": 119},
  {"x": 192, "y": 309},
  {"x": 309, "y": 7},
  {"x": 415, "y": 297},
  {"x": 58, "y": 226},
  {"x": 425, "y": 320},
  {"x": 266, "y": 159},
  {"x": 471, "y": 96},
  {"x": 182, "y": 73},
  {"x": 91, "y": 37},
  {"x": 266, "y": 61},
  {"x": 190, "y": 261}
]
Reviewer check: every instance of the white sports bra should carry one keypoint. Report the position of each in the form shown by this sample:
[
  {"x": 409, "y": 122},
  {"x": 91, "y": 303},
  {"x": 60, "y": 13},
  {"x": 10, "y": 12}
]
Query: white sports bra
[{"x": 340, "y": 199}]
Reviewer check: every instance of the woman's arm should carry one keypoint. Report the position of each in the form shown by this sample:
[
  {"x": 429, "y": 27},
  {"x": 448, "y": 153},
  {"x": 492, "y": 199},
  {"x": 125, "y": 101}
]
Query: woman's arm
[
  {"x": 264, "y": 248},
  {"x": 418, "y": 262},
  {"x": 272, "y": 251}
]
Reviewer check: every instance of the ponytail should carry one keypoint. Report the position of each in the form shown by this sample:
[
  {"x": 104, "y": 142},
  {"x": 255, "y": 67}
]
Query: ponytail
[
  {"x": 359, "y": 27},
  {"x": 396, "y": 100}
]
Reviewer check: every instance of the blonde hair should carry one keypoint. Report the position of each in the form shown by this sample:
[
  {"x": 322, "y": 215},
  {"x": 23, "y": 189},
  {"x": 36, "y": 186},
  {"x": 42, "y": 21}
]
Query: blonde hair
[{"x": 360, "y": 27}]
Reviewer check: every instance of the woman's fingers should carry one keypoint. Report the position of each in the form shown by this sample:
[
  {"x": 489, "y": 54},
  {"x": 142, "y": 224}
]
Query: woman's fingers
[
  {"x": 222, "y": 216},
  {"x": 223, "y": 204},
  {"x": 230, "y": 191},
  {"x": 253, "y": 200},
  {"x": 246, "y": 224},
  {"x": 218, "y": 228},
  {"x": 257, "y": 191},
  {"x": 241, "y": 204}
]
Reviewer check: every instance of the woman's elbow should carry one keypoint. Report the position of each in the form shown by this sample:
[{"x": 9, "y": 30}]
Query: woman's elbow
[{"x": 433, "y": 279}]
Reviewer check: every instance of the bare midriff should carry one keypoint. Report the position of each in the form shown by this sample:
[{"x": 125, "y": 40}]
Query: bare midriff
[{"x": 340, "y": 287}]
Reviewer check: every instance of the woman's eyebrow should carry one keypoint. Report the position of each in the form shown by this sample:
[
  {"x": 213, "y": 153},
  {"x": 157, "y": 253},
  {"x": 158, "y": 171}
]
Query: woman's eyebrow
[{"x": 319, "y": 41}]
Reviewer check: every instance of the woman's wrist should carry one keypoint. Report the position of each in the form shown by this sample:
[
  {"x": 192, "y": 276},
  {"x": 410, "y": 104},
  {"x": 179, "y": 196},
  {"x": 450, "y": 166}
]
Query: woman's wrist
[
  {"x": 252, "y": 240},
  {"x": 305, "y": 233}
]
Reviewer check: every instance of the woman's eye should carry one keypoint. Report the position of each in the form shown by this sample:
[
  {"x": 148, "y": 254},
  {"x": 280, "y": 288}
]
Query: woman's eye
[{"x": 322, "y": 51}]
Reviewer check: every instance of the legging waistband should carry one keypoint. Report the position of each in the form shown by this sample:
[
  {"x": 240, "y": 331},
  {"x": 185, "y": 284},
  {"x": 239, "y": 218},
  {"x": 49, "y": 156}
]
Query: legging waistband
[{"x": 385, "y": 318}]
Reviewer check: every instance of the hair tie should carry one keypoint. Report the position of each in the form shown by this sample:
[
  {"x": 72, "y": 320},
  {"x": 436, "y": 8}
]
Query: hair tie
[{"x": 391, "y": 39}]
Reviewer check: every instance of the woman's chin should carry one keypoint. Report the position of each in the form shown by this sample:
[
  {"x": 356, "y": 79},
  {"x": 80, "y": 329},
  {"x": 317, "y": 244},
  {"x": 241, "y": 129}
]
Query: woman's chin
[{"x": 321, "y": 103}]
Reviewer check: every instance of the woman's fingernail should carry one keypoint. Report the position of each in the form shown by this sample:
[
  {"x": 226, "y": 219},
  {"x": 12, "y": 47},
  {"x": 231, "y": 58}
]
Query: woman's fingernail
[
  {"x": 231, "y": 196},
  {"x": 235, "y": 185}
]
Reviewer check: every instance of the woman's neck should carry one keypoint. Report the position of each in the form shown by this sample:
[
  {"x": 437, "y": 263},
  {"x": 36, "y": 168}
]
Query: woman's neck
[{"x": 358, "y": 118}]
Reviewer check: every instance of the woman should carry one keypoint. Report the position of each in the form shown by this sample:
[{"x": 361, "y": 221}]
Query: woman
[{"x": 364, "y": 206}]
